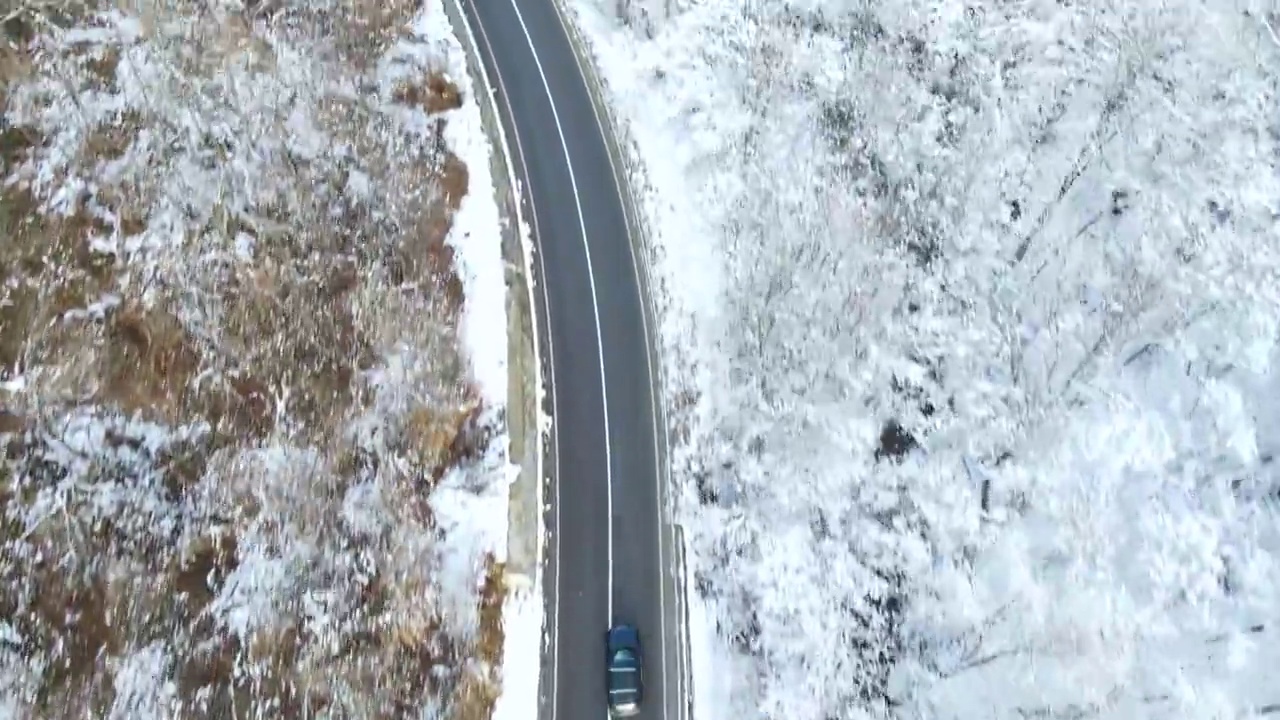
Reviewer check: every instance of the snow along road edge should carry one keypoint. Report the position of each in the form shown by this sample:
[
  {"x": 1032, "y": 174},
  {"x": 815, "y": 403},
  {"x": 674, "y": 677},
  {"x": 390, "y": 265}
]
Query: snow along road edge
[
  {"x": 627, "y": 170},
  {"x": 522, "y": 615}
]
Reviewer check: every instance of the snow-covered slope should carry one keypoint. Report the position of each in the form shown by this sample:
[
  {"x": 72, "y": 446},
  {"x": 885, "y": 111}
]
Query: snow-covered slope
[
  {"x": 252, "y": 365},
  {"x": 971, "y": 316}
]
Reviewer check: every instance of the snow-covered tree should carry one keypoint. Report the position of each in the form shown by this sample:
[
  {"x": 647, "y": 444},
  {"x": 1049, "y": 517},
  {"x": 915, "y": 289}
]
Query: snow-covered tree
[
  {"x": 246, "y": 469},
  {"x": 987, "y": 417}
]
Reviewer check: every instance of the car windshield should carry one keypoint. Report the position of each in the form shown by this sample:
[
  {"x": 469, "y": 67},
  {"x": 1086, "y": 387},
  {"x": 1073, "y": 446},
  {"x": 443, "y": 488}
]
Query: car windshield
[{"x": 624, "y": 678}]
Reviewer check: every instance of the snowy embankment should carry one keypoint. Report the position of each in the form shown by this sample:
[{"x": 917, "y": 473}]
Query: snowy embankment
[
  {"x": 252, "y": 365},
  {"x": 522, "y": 609},
  {"x": 476, "y": 235},
  {"x": 971, "y": 327}
]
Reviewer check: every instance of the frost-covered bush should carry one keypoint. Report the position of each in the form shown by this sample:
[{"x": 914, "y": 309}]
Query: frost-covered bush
[
  {"x": 978, "y": 419},
  {"x": 231, "y": 389}
]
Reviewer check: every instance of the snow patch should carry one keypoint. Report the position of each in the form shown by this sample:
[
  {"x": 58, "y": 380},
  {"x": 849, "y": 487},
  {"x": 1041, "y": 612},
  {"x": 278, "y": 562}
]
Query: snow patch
[{"x": 521, "y": 654}]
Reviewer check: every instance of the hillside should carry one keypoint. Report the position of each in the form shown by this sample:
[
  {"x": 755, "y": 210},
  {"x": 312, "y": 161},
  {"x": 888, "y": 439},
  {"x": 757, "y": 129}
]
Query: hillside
[
  {"x": 254, "y": 458},
  {"x": 971, "y": 322}
]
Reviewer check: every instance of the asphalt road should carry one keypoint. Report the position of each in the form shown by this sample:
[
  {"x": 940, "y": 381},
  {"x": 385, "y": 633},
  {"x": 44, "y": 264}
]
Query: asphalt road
[{"x": 610, "y": 556}]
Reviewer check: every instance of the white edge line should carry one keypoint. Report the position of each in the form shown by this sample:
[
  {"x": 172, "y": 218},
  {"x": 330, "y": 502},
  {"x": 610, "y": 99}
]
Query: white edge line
[
  {"x": 591, "y": 280},
  {"x": 658, "y": 407},
  {"x": 543, "y": 426},
  {"x": 527, "y": 252}
]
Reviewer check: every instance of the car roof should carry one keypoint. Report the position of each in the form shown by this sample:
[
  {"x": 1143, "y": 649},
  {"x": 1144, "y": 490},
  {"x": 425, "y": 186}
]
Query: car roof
[{"x": 623, "y": 636}]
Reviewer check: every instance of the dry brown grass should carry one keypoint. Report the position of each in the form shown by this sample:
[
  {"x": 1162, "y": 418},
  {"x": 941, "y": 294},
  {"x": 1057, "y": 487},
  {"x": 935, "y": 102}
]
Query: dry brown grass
[
  {"x": 436, "y": 95},
  {"x": 149, "y": 535},
  {"x": 475, "y": 696}
]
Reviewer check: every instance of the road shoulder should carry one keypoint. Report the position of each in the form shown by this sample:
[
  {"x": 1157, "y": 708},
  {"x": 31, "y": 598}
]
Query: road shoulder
[{"x": 526, "y": 422}]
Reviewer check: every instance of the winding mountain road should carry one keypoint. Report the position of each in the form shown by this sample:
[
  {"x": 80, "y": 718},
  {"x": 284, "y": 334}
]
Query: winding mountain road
[{"x": 611, "y": 553}]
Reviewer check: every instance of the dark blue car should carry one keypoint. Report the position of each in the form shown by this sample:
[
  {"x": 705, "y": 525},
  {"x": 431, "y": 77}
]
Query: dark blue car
[{"x": 625, "y": 681}]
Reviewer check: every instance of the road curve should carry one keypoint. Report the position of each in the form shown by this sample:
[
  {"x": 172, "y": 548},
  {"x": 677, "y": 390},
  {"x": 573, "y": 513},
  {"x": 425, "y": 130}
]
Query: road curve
[{"x": 610, "y": 557}]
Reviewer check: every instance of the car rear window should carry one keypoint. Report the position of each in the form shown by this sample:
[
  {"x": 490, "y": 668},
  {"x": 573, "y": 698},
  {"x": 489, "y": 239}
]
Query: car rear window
[{"x": 624, "y": 677}]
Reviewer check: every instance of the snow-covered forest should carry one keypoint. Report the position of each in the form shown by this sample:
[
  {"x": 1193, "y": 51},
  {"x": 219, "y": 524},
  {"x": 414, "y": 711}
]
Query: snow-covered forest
[
  {"x": 250, "y": 462},
  {"x": 972, "y": 318}
]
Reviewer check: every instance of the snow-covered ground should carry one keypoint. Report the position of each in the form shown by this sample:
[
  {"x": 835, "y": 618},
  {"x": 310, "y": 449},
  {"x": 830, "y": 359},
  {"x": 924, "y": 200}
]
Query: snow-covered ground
[
  {"x": 972, "y": 318},
  {"x": 252, "y": 366},
  {"x": 522, "y": 609}
]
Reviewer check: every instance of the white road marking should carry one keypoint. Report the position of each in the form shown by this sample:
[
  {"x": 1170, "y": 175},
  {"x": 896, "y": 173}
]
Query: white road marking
[
  {"x": 555, "y": 411},
  {"x": 595, "y": 302},
  {"x": 661, "y": 478},
  {"x": 591, "y": 280}
]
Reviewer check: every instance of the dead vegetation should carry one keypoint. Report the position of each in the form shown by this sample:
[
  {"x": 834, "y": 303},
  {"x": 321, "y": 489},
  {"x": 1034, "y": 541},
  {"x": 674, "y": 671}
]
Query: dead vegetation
[{"x": 230, "y": 376}]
